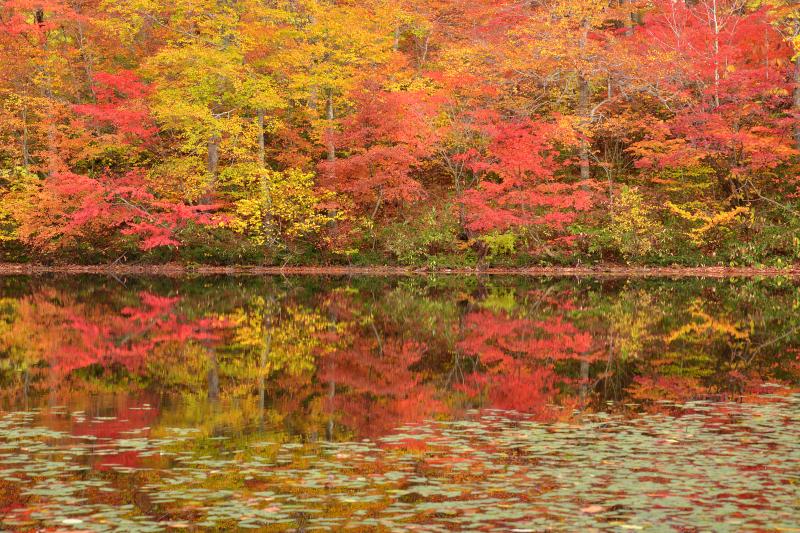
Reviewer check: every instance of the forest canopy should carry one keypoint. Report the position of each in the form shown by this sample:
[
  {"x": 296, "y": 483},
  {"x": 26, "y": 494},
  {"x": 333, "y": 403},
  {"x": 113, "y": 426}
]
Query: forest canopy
[{"x": 412, "y": 132}]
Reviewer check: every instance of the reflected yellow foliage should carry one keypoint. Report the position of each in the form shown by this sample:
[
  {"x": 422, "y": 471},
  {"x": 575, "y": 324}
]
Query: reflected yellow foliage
[
  {"x": 284, "y": 340},
  {"x": 705, "y": 324},
  {"x": 631, "y": 322}
]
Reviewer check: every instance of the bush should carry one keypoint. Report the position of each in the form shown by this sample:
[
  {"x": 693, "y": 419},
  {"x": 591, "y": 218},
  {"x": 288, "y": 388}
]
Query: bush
[
  {"x": 634, "y": 231},
  {"x": 499, "y": 244},
  {"x": 213, "y": 245},
  {"x": 414, "y": 242},
  {"x": 707, "y": 225}
]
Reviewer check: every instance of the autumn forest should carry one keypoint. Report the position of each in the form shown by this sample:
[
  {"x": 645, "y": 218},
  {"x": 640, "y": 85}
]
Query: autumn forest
[{"x": 434, "y": 133}]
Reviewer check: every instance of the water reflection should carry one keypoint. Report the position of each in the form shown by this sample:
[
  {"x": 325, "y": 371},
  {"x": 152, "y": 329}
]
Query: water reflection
[
  {"x": 334, "y": 359},
  {"x": 167, "y": 381}
]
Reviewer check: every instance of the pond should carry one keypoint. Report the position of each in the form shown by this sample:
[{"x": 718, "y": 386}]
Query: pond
[{"x": 405, "y": 403}]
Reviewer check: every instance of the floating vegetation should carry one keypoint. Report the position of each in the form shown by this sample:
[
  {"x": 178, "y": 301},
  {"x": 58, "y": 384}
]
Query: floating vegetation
[{"x": 712, "y": 465}]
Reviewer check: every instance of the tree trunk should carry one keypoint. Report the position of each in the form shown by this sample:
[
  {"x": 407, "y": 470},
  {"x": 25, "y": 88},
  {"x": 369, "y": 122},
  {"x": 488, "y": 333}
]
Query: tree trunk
[
  {"x": 213, "y": 375},
  {"x": 629, "y": 19},
  {"x": 26, "y": 154},
  {"x": 88, "y": 66},
  {"x": 266, "y": 222},
  {"x": 584, "y": 97},
  {"x": 331, "y": 396},
  {"x": 262, "y": 154},
  {"x": 331, "y": 116},
  {"x": 717, "y": 74},
  {"x": 213, "y": 155},
  {"x": 53, "y": 163},
  {"x": 26, "y": 387},
  {"x": 267, "y": 336},
  {"x": 463, "y": 234},
  {"x": 262, "y": 395},
  {"x": 212, "y": 162},
  {"x": 583, "y": 109},
  {"x": 584, "y": 392}
]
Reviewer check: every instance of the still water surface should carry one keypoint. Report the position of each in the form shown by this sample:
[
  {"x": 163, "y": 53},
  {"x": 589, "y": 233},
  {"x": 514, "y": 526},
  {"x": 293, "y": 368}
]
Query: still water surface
[{"x": 380, "y": 404}]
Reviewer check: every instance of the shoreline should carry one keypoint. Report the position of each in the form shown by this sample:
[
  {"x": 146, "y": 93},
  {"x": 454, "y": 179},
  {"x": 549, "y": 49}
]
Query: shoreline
[{"x": 176, "y": 270}]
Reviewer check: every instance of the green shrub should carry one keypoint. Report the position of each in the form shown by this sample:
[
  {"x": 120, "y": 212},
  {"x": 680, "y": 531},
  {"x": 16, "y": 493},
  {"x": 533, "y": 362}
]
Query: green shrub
[
  {"x": 213, "y": 245},
  {"x": 499, "y": 244},
  {"x": 634, "y": 230},
  {"x": 419, "y": 240}
]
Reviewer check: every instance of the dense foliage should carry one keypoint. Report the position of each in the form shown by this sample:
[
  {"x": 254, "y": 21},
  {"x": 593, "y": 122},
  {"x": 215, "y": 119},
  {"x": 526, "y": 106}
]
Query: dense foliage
[{"x": 443, "y": 132}]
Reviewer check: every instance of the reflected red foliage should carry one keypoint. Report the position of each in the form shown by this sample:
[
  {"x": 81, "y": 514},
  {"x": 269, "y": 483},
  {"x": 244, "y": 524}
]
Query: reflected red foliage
[
  {"x": 374, "y": 389},
  {"x": 519, "y": 357}
]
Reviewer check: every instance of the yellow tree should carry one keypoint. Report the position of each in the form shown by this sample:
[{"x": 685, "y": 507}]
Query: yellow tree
[
  {"x": 568, "y": 58},
  {"x": 206, "y": 94},
  {"x": 333, "y": 45},
  {"x": 274, "y": 339}
]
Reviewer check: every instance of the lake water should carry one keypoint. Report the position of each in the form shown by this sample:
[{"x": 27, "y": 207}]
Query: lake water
[{"x": 380, "y": 404}]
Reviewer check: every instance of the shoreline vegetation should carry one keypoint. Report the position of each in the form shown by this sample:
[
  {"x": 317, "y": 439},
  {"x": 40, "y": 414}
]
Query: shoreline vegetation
[{"x": 600, "y": 271}]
